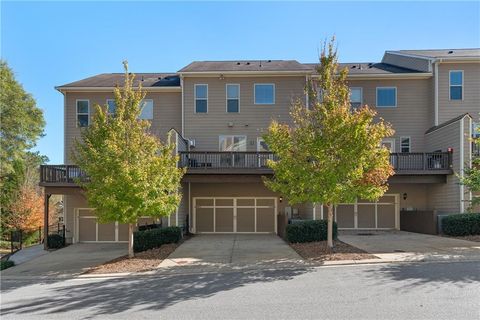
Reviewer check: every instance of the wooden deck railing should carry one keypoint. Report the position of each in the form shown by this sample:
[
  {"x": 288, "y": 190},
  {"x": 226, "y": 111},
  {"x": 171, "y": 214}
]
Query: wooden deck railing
[{"x": 207, "y": 161}]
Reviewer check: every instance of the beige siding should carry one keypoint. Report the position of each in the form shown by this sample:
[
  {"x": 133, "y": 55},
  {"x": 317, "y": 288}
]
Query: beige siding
[
  {"x": 411, "y": 116},
  {"x": 252, "y": 120},
  {"x": 448, "y": 109},
  {"x": 446, "y": 197},
  {"x": 407, "y": 62},
  {"x": 166, "y": 114},
  {"x": 71, "y": 202}
]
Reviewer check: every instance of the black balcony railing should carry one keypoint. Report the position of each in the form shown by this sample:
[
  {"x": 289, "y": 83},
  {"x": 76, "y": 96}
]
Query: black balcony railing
[{"x": 403, "y": 163}]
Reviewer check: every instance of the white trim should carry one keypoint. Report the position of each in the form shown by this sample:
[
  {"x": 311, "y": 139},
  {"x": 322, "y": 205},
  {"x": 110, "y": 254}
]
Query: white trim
[
  {"x": 461, "y": 119},
  {"x": 455, "y": 85},
  {"x": 226, "y": 97},
  {"x": 183, "y": 105},
  {"x": 195, "y": 97},
  {"x": 77, "y": 114},
  {"x": 462, "y": 166},
  {"x": 231, "y": 136},
  {"x": 314, "y": 212},
  {"x": 409, "y": 143},
  {"x": 65, "y": 160},
  {"x": 376, "y": 97},
  {"x": 321, "y": 211},
  {"x": 254, "y": 93},
  {"x": 392, "y": 142},
  {"x": 436, "y": 93},
  {"x": 307, "y": 102},
  {"x": 190, "y": 223},
  {"x": 245, "y": 73},
  {"x": 390, "y": 76},
  {"x": 470, "y": 154}
]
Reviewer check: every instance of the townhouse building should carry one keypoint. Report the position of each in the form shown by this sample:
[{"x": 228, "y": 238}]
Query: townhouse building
[{"x": 218, "y": 111}]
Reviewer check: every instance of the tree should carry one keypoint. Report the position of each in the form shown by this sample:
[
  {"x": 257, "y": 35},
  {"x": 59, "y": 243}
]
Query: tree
[
  {"x": 471, "y": 178},
  {"x": 131, "y": 172},
  {"x": 332, "y": 153},
  {"x": 26, "y": 213},
  {"x": 22, "y": 121}
]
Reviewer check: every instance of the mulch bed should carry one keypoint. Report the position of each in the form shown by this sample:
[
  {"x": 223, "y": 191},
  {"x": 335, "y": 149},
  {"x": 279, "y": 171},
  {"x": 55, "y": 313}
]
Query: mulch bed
[
  {"x": 143, "y": 261},
  {"x": 320, "y": 251}
]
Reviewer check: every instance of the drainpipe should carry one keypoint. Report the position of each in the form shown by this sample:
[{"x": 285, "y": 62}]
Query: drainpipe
[{"x": 436, "y": 63}]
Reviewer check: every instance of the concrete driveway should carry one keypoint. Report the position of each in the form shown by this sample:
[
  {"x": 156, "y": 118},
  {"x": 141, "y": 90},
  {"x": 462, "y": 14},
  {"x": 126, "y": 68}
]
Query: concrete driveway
[
  {"x": 231, "y": 251},
  {"x": 67, "y": 262},
  {"x": 411, "y": 246}
]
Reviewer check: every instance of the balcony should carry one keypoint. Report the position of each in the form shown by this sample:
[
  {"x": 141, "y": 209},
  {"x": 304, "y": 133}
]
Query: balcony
[{"x": 217, "y": 162}]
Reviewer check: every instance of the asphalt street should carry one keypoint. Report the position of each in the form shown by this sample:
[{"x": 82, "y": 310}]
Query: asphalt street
[{"x": 384, "y": 291}]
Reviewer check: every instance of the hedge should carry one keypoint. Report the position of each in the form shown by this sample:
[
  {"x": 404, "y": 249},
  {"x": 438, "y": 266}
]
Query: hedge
[
  {"x": 154, "y": 238},
  {"x": 461, "y": 224},
  {"x": 309, "y": 231},
  {"x": 5, "y": 264},
  {"x": 55, "y": 241}
]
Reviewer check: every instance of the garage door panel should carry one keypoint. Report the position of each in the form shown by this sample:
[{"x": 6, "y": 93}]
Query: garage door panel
[
  {"x": 246, "y": 202},
  {"x": 87, "y": 229},
  {"x": 345, "y": 216},
  {"x": 266, "y": 202},
  {"x": 386, "y": 216},
  {"x": 265, "y": 222},
  {"x": 204, "y": 219},
  {"x": 224, "y": 220},
  {"x": 245, "y": 219},
  {"x": 204, "y": 202},
  {"x": 224, "y": 202},
  {"x": 122, "y": 232},
  {"x": 106, "y": 231},
  {"x": 366, "y": 216}
]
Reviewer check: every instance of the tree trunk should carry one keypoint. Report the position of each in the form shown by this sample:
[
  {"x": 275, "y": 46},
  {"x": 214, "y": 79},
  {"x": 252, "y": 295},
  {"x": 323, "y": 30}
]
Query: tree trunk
[
  {"x": 130, "y": 240},
  {"x": 330, "y": 226}
]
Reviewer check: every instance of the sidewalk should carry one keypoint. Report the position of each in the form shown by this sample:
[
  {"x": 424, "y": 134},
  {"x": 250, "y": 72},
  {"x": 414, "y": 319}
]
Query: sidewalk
[{"x": 27, "y": 254}]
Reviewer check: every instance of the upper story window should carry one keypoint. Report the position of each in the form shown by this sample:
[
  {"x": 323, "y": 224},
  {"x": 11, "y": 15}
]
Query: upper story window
[
  {"x": 201, "y": 98},
  {"x": 405, "y": 144},
  {"x": 264, "y": 93},
  {"x": 356, "y": 97},
  {"x": 112, "y": 107},
  {"x": 232, "y": 143},
  {"x": 456, "y": 84},
  {"x": 475, "y": 130},
  {"x": 386, "y": 97},
  {"x": 319, "y": 95},
  {"x": 83, "y": 113},
  {"x": 233, "y": 98},
  {"x": 147, "y": 109}
]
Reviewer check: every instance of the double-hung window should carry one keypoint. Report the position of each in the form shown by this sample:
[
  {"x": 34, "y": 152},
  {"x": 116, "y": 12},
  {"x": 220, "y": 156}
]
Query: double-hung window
[
  {"x": 111, "y": 106},
  {"x": 201, "y": 98},
  {"x": 83, "y": 113},
  {"x": 356, "y": 97},
  {"x": 147, "y": 109},
  {"x": 405, "y": 144},
  {"x": 233, "y": 98},
  {"x": 264, "y": 93},
  {"x": 456, "y": 84},
  {"x": 386, "y": 97}
]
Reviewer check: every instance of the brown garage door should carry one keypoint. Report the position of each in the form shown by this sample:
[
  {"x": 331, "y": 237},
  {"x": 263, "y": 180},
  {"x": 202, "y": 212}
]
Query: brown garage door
[
  {"x": 364, "y": 214},
  {"x": 234, "y": 215},
  {"x": 89, "y": 230}
]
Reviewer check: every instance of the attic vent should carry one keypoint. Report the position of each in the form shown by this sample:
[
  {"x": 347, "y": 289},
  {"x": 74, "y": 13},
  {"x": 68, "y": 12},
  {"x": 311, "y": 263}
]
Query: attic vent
[
  {"x": 450, "y": 52},
  {"x": 238, "y": 63},
  {"x": 248, "y": 63},
  {"x": 269, "y": 61},
  {"x": 353, "y": 67}
]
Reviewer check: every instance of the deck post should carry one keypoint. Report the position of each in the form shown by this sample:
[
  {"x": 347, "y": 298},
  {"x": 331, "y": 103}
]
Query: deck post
[{"x": 45, "y": 220}]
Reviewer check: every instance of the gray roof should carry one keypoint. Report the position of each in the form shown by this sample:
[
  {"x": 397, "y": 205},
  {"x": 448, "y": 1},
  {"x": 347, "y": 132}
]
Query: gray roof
[
  {"x": 446, "y": 123},
  {"x": 244, "y": 65},
  {"x": 114, "y": 79},
  {"x": 368, "y": 68},
  {"x": 444, "y": 53}
]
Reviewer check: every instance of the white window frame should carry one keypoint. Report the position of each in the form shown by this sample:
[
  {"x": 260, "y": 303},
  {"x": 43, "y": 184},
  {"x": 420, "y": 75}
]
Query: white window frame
[
  {"x": 255, "y": 91},
  {"x": 226, "y": 97},
  {"x": 376, "y": 97},
  {"x": 195, "y": 97},
  {"x": 361, "y": 94},
  {"x": 153, "y": 107},
  {"x": 232, "y": 136},
  {"x": 392, "y": 142},
  {"x": 450, "y": 85},
  {"x": 107, "y": 104},
  {"x": 409, "y": 144},
  {"x": 77, "y": 114}
]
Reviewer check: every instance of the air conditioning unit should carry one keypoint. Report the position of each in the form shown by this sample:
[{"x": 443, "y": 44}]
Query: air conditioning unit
[{"x": 191, "y": 143}]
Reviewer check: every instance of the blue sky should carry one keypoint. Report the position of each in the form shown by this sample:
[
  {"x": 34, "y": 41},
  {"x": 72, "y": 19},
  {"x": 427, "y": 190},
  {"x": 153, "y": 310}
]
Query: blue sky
[{"x": 53, "y": 43}]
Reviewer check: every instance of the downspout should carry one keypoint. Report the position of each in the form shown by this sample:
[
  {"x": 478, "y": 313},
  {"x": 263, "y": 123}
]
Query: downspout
[
  {"x": 436, "y": 63},
  {"x": 183, "y": 109}
]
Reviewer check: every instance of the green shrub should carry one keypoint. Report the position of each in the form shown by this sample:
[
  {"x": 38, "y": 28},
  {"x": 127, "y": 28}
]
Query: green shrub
[
  {"x": 461, "y": 224},
  {"x": 55, "y": 241},
  {"x": 4, "y": 264},
  {"x": 154, "y": 238},
  {"x": 309, "y": 231}
]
